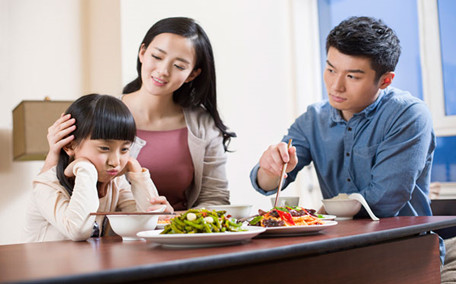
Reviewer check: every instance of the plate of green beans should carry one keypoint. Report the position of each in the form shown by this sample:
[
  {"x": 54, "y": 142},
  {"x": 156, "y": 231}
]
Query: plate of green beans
[{"x": 201, "y": 228}]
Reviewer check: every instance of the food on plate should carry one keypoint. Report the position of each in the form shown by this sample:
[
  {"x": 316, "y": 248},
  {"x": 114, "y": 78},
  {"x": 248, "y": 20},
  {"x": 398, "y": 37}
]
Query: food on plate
[
  {"x": 286, "y": 216},
  {"x": 202, "y": 221},
  {"x": 163, "y": 221},
  {"x": 340, "y": 196}
]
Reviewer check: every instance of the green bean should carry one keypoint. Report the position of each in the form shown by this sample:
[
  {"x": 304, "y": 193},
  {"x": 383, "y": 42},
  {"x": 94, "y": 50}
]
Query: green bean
[
  {"x": 193, "y": 224},
  {"x": 175, "y": 229},
  {"x": 220, "y": 223},
  {"x": 207, "y": 229}
]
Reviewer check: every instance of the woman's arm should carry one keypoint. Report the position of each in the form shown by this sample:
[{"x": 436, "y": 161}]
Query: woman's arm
[{"x": 214, "y": 183}]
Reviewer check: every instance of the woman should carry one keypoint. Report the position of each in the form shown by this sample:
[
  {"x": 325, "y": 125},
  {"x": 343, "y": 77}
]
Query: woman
[{"x": 181, "y": 137}]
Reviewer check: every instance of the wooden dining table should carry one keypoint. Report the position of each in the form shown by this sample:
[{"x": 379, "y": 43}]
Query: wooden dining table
[{"x": 392, "y": 250}]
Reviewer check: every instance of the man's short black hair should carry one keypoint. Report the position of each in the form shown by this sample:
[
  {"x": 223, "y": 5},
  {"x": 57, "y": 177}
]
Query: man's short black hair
[{"x": 367, "y": 37}]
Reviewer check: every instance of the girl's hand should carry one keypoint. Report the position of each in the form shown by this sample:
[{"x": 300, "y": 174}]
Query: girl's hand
[
  {"x": 69, "y": 169},
  {"x": 158, "y": 202},
  {"x": 132, "y": 166}
]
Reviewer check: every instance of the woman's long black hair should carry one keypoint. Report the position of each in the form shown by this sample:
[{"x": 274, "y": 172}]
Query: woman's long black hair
[
  {"x": 97, "y": 117},
  {"x": 202, "y": 90}
]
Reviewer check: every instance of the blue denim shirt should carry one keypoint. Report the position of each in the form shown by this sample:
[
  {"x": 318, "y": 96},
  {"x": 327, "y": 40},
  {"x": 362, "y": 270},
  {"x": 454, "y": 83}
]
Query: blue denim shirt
[{"x": 384, "y": 152}]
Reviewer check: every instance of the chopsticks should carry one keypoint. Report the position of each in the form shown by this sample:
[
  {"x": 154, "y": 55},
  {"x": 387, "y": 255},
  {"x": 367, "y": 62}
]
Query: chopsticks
[
  {"x": 284, "y": 168},
  {"x": 131, "y": 213}
]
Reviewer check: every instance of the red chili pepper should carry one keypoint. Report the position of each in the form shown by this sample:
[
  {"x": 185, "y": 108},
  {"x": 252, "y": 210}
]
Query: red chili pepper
[{"x": 285, "y": 216}]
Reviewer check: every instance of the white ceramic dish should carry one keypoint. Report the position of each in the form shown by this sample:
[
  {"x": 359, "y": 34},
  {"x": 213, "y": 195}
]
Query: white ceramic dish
[
  {"x": 301, "y": 230},
  {"x": 283, "y": 201},
  {"x": 325, "y": 217},
  {"x": 341, "y": 206},
  {"x": 127, "y": 226},
  {"x": 201, "y": 240},
  {"x": 235, "y": 210}
]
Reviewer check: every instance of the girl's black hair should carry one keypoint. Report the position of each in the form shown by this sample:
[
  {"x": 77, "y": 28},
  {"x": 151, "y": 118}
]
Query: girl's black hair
[
  {"x": 97, "y": 117},
  {"x": 202, "y": 90},
  {"x": 367, "y": 37}
]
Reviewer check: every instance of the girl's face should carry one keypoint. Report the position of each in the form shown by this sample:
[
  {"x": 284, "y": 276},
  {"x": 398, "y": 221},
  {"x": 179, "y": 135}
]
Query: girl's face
[
  {"x": 108, "y": 156},
  {"x": 167, "y": 63}
]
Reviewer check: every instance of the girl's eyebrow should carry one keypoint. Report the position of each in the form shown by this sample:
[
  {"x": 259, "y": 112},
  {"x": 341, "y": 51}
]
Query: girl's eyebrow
[
  {"x": 349, "y": 70},
  {"x": 178, "y": 58}
]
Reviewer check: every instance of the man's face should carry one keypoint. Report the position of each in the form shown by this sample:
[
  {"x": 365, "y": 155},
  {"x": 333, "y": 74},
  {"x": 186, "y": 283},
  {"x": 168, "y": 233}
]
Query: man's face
[{"x": 350, "y": 82}]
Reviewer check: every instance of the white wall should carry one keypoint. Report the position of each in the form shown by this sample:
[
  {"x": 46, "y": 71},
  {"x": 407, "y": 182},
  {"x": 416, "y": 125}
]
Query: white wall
[
  {"x": 40, "y": 56},
  {"x": 254, "y": 45},
  {"x": 43, "y": 52}
]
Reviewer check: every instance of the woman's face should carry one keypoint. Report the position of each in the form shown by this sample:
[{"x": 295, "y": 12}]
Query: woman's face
[{"x": 167, "y": 63}]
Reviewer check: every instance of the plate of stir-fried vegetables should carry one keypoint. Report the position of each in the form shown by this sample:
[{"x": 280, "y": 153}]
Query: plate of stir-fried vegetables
[
  {"x": 285, "y": 220},
  {"x": 201, "y": 228}
]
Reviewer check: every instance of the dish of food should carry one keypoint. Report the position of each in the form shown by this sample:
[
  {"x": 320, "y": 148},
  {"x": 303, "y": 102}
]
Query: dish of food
[
  {"x": 285, "y": 217},
  {"x": 327, "y": 217},
  {"x": 162, "y": 223},
  {"x": 291, "y": 220},
  {"x": 198, "y": 221},
  {"x": 201, "y": 239},
  {"x": 299, "y": 230}
]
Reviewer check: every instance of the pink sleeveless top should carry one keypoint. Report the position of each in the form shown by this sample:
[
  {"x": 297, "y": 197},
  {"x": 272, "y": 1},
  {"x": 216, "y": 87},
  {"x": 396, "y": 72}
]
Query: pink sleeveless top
[{"x": 167, "y": 156}]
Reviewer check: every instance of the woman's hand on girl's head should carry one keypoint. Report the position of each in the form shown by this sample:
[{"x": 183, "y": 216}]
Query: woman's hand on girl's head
[
  {"x": 158, "y": 202},
  {"x": 58, "y": 136},
  {"x": 69, "y": 169},
  {"x": 59, "y": 133}
]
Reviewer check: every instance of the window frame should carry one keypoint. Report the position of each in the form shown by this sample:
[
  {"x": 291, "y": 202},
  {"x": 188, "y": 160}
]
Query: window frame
[{"x": 431, "y": 67}]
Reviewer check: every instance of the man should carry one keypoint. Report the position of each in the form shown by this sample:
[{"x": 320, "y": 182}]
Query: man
[{"x": 369, "y": 137}]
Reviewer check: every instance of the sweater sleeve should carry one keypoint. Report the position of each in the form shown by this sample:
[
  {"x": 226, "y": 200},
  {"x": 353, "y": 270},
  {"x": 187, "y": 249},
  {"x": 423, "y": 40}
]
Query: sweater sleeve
[
  {"x": 136, "y": 194},
  {"x": 70, "y": 215}
]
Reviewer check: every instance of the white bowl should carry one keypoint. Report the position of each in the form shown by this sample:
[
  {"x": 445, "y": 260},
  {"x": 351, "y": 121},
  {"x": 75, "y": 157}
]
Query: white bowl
[
  {"x": 283, "y": 201},
  {"x": 343, "y": 208},
  {"x": 236, "y": 211},
  {"x": 127, "y": 226}
]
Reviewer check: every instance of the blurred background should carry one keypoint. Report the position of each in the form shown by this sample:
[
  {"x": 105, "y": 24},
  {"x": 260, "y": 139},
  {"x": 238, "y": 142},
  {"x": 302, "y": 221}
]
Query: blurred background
[{"x": 268, "y": 56}]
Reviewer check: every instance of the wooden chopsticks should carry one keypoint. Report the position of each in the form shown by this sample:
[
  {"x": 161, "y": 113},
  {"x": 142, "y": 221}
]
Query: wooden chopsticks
[{"x": 284, "y": 168}]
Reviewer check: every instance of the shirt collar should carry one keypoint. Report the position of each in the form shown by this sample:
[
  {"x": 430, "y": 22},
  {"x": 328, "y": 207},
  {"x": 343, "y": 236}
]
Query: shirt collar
[{"x": 368, "y": 112}]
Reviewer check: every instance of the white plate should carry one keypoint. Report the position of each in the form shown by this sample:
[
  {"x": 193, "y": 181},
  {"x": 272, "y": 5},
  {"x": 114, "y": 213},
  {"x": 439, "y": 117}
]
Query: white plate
[
  {"x": 327, "y": 217},
  {"x": 201, "y": 240},
  {"x": 310, "y": 229}
]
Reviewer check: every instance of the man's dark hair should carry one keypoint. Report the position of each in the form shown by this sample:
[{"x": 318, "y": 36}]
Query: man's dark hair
[{"x": 367, "y": 37}]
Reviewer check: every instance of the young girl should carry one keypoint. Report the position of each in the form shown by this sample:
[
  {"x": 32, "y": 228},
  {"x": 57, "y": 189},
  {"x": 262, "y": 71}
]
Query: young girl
[
  {"x": 173, "y": 101},
  {"x": 89, "y": 175}
]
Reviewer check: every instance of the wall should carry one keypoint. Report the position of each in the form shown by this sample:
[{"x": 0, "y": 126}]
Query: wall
[
  {"x": 63, "y": 49},
  {"x": 254, "y": 45},
  {"x": 40, "y": 56},
  {"x": 60, "y": 49}
]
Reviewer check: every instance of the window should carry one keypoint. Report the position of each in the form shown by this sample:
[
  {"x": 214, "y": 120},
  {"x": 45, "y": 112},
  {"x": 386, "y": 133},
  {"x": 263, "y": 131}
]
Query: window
[{"x": 427, "y": 66}]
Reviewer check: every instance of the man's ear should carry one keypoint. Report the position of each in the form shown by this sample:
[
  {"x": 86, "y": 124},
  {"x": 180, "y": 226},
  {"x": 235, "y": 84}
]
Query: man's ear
[
  {"x": 193, "y": 75},
  {"x": 386, "y": 80}
]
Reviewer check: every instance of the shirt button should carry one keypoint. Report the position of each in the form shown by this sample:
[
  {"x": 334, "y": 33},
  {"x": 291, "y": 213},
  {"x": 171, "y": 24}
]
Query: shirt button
[
  {"x": 349, "y": 129},
  {"x": 348, "y": 179},
  {"x": 347, "y": 154}
]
